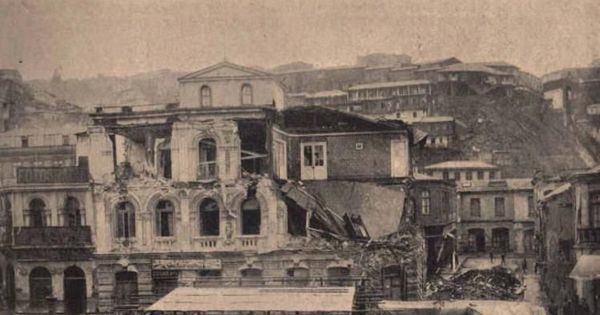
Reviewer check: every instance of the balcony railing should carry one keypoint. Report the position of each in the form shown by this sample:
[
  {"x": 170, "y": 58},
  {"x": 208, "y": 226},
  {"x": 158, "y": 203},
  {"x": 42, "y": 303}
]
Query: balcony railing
[
  {"x": 589, "y": 235},
  {"x": 61, "y": 236},
  {"x": 279, "y": 281},
  {"x": 43, "y": 175},
  {"x": 207, "y": 170}
]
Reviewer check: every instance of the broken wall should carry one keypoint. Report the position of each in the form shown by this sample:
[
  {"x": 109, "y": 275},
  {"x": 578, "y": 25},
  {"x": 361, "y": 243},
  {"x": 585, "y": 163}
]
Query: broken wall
[
  {"x": 381, "y": 207},
  {"x": 184, "y": 149}
]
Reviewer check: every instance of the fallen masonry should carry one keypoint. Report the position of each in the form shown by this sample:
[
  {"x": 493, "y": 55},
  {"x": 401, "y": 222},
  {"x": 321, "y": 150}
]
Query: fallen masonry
[{"x": 497, "y": 283}]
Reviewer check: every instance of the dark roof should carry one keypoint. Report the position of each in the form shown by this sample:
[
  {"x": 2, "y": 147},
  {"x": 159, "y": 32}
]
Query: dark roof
[{"x": 317, "y": 119}]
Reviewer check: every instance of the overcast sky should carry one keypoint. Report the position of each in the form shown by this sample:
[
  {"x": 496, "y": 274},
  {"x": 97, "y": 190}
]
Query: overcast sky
[{"x": 87, "y": 38}]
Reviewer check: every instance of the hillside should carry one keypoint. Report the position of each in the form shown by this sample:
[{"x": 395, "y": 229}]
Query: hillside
[
  {"x": 518, "y": 133},
  {"x": 146, "y": 88},
  {"x": 32, "y": 108}
]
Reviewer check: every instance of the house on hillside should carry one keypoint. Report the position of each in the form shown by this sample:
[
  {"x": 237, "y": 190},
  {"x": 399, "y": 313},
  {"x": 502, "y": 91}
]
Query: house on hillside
[
  {"x": 475, "y": 79},
  {"x": 441, "y": 130}
]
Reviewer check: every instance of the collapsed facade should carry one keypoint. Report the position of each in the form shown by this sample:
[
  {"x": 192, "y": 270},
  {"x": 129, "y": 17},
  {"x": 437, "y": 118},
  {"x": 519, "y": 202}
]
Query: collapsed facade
[{"x": 206, "y": 192}]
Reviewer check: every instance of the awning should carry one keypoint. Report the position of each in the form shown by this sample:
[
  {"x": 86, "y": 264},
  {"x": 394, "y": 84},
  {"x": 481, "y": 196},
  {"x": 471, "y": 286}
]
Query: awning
[
  {"x": 587, "y": 268},
  {"x": 232, "y": 299}
]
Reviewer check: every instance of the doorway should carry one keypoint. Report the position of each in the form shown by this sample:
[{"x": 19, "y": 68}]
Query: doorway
[
  {"x": 75, "y": 290},
  {"x": 314, "y": 161},
  {"x": 10, "y": 287},
  {"x": 40, "y": 285},
  {"x": 476, "y": 240}
]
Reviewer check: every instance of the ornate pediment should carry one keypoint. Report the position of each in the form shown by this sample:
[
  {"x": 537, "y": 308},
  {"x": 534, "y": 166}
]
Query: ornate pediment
[{"x": 224, "y": 70}]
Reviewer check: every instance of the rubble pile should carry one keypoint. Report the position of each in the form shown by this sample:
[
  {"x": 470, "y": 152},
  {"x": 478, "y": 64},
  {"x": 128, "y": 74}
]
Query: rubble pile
[{"x": 497, "y": 283}]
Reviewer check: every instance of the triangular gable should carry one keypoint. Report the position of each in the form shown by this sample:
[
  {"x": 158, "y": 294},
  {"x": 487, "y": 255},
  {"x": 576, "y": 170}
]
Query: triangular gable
[{"x": 224, "y": 69}]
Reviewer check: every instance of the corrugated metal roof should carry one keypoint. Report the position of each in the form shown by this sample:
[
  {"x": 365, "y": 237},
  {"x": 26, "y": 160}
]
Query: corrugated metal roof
[
  {"x": 235, "y": 299},
  {"x": 388, "y": 84}
]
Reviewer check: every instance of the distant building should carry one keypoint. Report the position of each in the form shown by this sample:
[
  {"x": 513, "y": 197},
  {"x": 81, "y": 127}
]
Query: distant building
[
  {"x": 441, "y": 130},
  {"x": 381, "y": 59},
  {"x": 497, "y": 215},
  {"x": 475, "y": 79},
  {"x": 463, "y": 171},
  {"x": 326, "y": 98}
]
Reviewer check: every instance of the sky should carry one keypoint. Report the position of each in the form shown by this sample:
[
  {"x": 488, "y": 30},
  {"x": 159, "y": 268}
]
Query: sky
[{"x": 86, "y": 38}]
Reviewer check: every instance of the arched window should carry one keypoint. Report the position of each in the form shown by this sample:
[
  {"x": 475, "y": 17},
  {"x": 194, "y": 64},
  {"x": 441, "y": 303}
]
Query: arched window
[
  {"x": 37, "y": 208},
  {"x": 209, "y": 217},
  {"x": 205, "y": 96},
  {"x": 126, "y": 289},
  {"x": 72, "y": 213},
  {"x": 207, "y": 159},
  {"x": 246, "y": 94},
  {"x": 251, "y": 216},
  {"x": 40, "y": 285},
  {"x": 125, "y": 220},
  {"x": 164, "y": 218}
]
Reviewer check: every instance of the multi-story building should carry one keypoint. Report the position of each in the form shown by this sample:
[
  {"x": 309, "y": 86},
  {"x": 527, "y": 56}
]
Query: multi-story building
[
  {"x": 441, "y": 130},
  {"x": 47, "y": 218},
  {"x": 326, "y": 98},
  {"x": 162, "y": 196},
  {"x": 463, "y": 171},
  {"x": 475, "y": 79},
  {"x": 436, "y": 201},
  {"x": 586, "y": 249},
  {"x": 496, "y": 215}
]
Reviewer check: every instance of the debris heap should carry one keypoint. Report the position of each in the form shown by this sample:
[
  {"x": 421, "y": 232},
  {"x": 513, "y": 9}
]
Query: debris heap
[{"x": 497, "y": 283}]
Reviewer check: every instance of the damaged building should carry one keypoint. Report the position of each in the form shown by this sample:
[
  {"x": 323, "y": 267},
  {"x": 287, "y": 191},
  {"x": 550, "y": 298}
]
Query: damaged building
[{"x": 224, "y": 188}]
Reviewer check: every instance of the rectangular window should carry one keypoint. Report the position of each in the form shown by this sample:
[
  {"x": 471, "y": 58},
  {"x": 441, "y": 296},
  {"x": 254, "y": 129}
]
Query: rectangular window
[
  {"x": 425, "y": 202},
  {"x": 445, "y": 175},
  {"x": 530, "y": 207},
  {"x": 24, "y": 142},
  {"x": 594, "y": 208},
  {"x": 499, "y": 209},
  {"x": 469, "y": 175},
  {"x": 65, "y": 140},
  {"x": 492, "y": 175},
  {"x": 475, "y": 207},
  {"x": 457, "y": 176},
  {"x": 480, "y": 175}
]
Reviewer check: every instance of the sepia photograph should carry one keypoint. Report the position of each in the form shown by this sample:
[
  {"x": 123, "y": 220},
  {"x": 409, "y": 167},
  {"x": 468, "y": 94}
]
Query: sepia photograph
[{"x": 300, "y": 157}]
